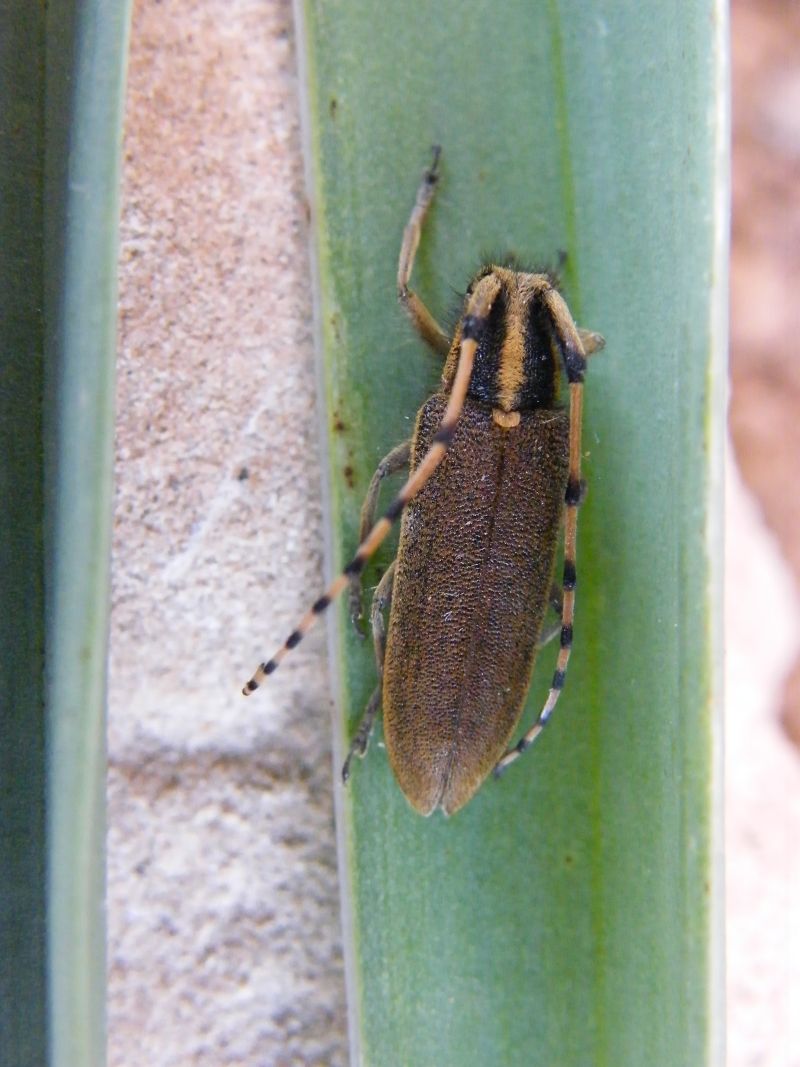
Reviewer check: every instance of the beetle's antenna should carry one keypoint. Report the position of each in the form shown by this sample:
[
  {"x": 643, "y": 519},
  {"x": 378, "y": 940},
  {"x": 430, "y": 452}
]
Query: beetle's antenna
[
  {"x": 573, "y": 354},
  {"x": 473, "y": 324}
]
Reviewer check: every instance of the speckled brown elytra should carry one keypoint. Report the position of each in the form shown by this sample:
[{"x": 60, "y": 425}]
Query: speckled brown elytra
[{"x": 495, "y": 466}]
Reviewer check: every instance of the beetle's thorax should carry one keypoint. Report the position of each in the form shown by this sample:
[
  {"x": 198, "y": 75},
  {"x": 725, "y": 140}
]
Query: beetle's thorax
[{"x": 516, "y": 362}]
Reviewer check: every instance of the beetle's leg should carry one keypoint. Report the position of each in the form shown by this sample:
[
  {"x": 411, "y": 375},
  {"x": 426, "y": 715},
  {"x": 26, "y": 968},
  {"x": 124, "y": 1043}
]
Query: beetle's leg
[
  {"x": 426, "y": 325},
  {"x": 556, "y": 598},
  {"x": 391, "y": 464},
  {"x": 556, "y": 603},
  {"x": 570, "y": 346},
  {"x": 548, "y": 633},
  {"x": 380, "y": 602},
  {"x": 360, "y": 743},
  {"x": 592, "y": 342}
]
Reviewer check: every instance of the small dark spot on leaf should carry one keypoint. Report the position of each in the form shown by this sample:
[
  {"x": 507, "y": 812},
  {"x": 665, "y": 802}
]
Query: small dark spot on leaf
[
  {"x": 348, "y": 476},
  {"x": 334, "y": 104},
  {"x": 339, "y": 426},
  {"x": 568, "y": 860}
]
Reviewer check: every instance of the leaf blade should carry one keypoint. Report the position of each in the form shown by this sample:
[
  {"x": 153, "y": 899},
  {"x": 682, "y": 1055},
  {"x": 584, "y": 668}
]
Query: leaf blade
[{"x": 588, "y": 130}]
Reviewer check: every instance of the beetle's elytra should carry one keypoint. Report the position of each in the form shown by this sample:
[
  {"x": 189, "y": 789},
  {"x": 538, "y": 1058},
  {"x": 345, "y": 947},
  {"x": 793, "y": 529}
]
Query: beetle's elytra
[{"x": 494, "y": 471}]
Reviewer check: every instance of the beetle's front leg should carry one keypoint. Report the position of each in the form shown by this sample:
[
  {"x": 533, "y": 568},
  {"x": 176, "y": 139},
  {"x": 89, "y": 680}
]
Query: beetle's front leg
[
  {"x": 396, "y": 460},
  {"x": 425, "y": 324}
]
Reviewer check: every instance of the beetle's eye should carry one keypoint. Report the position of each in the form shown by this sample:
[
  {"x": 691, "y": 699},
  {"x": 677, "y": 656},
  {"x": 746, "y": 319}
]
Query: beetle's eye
[
  {"x": 539, "y": 330},
  {"x": 493, "y": 333},
  {"x": 496, "y": 327}
]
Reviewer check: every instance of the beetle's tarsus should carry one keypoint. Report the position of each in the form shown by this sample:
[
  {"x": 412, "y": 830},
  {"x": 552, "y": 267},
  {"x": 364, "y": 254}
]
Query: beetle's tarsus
[
  {"x": 432, "y": 173},
  {"x": 358, "y": 748},
  {"x": 357, "y": 614}
]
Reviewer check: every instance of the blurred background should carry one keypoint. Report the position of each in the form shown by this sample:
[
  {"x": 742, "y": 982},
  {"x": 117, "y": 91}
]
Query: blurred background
[
  {"x": 763, "y": 560},
  {"x": 765, "y": 275},
  {"x": 224, "y": 939}
]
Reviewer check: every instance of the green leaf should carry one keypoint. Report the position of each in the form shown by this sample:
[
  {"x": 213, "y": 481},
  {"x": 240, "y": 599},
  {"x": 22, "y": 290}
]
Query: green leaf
[
  {"x": 62, "y": 68},
  {"x": 568, "y": 914}
]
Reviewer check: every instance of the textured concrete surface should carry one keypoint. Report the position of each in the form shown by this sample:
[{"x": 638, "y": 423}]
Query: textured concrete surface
[
  {"x": 762, "y": 796},
  {"x": 764, "y": 760},
  {"x": 224, "y": 929},
  {"x": 765, "y": 273}
]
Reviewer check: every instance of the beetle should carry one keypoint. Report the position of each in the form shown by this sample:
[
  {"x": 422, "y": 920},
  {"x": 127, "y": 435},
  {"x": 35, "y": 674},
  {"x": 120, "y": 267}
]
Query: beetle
[{"x": 495, "y": 469}]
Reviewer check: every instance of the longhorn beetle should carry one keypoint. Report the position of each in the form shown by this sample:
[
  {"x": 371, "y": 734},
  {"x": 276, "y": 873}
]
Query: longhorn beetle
[{"x": 495, "y": 466}]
